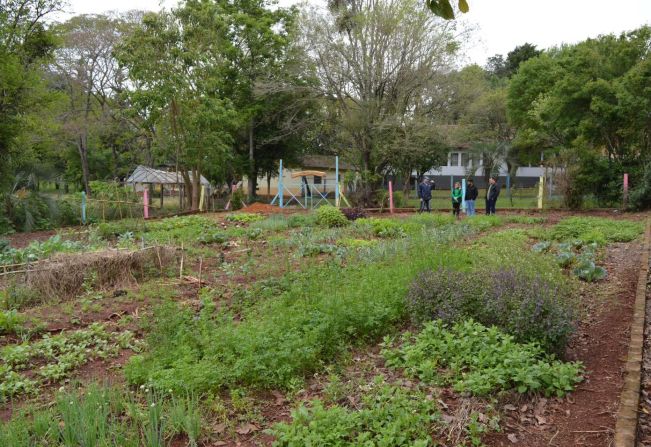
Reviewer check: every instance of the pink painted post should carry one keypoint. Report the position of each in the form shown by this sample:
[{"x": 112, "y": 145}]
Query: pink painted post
[
  {"x": 625, "y": 189},
  {"x": 391, "y": 196},
  {"x": 145, "y": 202}
]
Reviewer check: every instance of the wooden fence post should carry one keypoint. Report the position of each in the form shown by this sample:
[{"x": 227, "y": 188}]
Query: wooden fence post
[{"x": 145, "y": 203}]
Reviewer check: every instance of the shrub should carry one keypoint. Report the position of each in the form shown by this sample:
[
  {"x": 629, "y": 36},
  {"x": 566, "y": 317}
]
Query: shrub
[
  {"x": 329, "y": 216},
  {"x": 531, "y": 308},
  {"x": 481, "y": 360},
  {"x": 389, "y": 416},
  {"x": 354, "y": 213},
  {"x": 238, "y": 199},
  {"x": 640, "y": 197}
]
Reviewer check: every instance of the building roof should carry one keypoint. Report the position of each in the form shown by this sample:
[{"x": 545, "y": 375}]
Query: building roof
[
  {"x": 143, "y": 174},
  {"x": 325, "y": 162}
]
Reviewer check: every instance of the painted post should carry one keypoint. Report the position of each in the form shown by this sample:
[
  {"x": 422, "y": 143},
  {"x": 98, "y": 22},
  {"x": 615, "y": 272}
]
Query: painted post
[
  {"x": 202, "y": 197},
  {"x": 83, "y": 207},
  {"x": 145, "y": 203},
  {"x": 463, "y": 195},
  {"x": 281, "y": 185},
  {"x": 508, "y": 188},
  {"x": 625, "y": 190},
  {"x": 391, "y": 196},
  {"x": 541, "y": 186},
  {"x": 451, "y": 182},
  {"x": 337, "y": 181}
]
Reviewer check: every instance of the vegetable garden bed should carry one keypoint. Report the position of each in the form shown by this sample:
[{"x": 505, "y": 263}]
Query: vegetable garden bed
[{"x": 282, "y": 319}]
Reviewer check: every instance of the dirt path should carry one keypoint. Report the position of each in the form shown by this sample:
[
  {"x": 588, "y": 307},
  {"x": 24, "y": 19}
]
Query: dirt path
[{"x": 587, "y": 416}]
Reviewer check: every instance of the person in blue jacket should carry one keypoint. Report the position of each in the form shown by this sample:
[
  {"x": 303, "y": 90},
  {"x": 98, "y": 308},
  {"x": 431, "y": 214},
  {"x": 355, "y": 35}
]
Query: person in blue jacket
[{"x": 425, "y": 195}]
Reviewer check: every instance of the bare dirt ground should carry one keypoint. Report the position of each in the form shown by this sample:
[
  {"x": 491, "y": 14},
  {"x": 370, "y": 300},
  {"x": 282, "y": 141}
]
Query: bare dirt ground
[{"x": 587, "y": 416}]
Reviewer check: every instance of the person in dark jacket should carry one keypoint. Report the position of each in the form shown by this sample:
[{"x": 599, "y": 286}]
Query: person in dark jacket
[
  {"x": 492, "y": 193},
  {"x": 471, "y": 196},
  {"x": 425, "y": 195}
]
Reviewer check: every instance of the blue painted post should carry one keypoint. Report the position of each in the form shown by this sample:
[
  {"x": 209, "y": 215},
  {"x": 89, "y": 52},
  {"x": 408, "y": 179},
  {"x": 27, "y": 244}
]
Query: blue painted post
[
  {"x": 281, "y": 193},
  {"x": 337, "y": 181},
  {"x": 463, "y": 195},
  {"x": 83, "y": 207}
]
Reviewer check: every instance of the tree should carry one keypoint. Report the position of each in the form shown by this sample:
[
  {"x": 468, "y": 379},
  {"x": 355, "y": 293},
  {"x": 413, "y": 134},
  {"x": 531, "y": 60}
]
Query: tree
[
  {"x": 503, "y": 68},
  {"x": 88, "y": 73},
  {"x": 177, "y": 63},
  {"x": 376, "y": 61},
  {"x": 25, "y": 45},
  {"x": 481, "y": 121},
  {"x": 590, "y": 98},
  {"x": 261, "y": 49}
]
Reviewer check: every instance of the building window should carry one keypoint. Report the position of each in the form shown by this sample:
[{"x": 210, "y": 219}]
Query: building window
[
  {"x": 454, "y": 159},
  {"x": 465, "y": 159},
  {"x": 317, "y": 180}
]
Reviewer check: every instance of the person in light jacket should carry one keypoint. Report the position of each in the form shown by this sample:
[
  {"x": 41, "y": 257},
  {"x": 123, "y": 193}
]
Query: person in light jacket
[
  {"x": 492, "y": 193},
  {"x": 471, "y": 196},
  {"x": 425, "y": 195}
]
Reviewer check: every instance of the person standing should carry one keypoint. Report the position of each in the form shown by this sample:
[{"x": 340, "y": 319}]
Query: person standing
[
  {"x": 425, "y": 195},
  {"x": 457, "y": 197},
  {"x": 471, "y": 196},
  {"x": 492, "y": 193}
]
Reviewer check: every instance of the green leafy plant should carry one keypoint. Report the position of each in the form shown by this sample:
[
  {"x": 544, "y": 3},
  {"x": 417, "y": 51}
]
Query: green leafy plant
[
  {"x": 596, "y": 229},
  {"x": 529, "y": 307},
  {"x": 384, "y": 228},
  {"x": 244, "y": 217},
  {"x": 389, "y": 416},
  {"x": 474, "y": 358},
  {"x": 329, "y": 216},
  {"x": 11, "y": 322}
]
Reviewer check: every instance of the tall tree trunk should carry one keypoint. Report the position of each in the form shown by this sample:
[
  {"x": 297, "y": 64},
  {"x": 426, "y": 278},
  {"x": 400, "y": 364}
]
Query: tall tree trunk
[
  {"x": 252, "y": 180},
  {"x": 115, "y": 160},
  {"x": 406, "y": 186},
  {"x": 196, "y": 188},
  {"x": 268, "y": 185},
  {"x": 188, "y": 188},
  {"x": 83, "y": 155}
]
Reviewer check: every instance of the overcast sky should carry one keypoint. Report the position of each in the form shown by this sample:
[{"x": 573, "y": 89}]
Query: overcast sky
[{"x": 500, "y": 24}]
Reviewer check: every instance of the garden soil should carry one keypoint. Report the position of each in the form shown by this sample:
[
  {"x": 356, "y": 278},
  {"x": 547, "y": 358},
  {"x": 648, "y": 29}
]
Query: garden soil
[{"x": 587, "y": 416}]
